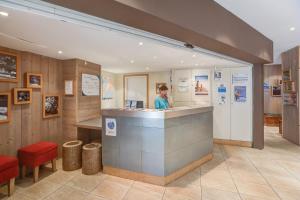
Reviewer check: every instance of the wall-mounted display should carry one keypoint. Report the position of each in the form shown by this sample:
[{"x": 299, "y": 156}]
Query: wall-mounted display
[
  {"x": 33, "y": 80},
  {"x": 107, "y": 88},
  {"x": 290, "y": 98},
  {"x": 201, "y": 84},
  {"x": 51, "y": 106},
  {"x": 286, "y": 75},
  {"x": 240, "y": 94},
  {"x": 276, "y": 91},
  {"x": 69, "y": 88},
  {"x": 5, "y": 104},
  {"x": 9, "y": 67},
  {"x": 289, "y": 86},
  {"x": 218, "y": 75},
  {"x": 240, "y": 78},
  {"x": 90, "y": 85},
  {"x": 22, "y": 95},
  {"x": 158, "y": 85}
]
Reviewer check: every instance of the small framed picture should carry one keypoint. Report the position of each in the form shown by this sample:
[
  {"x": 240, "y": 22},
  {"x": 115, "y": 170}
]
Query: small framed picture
[
  {"x": 22, "y": 95},
  {"x": 5, "y": 107},
  {"x": 69, "y": 88},
  {"x": 158, "y": 85},
  {"x": 51, "y": 106},
  {"x": 286, "y": 75},
  {"x": 33, "y": 80},
  {"x": 276, "y": 91},
  {"x": 289, "y": 86},
  {"x": 9, "y": 67}
]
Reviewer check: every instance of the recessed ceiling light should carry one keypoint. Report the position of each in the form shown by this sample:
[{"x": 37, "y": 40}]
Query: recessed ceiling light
[
  {"x": 5, "y": 14},
  {"x": 196, "y": 64},
  {"x": 292, "y": 28},
  {"x": 181, "y": 61},
  {"x": 141, "y": 43},
  {"x": 132, "y": 61},
  {"x": 147, "y": 68},
  {"x": 154, "y": 57},
  {"x": 60, "y": 52},
  {"x": 194, "y": 55}
]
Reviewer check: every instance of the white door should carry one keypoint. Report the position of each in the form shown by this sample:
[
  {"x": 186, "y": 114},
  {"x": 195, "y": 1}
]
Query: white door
[
  {"x": 241, "y": 104},
  {"x": 221, "y": 102}
]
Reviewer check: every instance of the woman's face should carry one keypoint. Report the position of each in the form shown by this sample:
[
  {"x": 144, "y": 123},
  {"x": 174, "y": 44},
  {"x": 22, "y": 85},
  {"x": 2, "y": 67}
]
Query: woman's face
[{"x": 164, "y": 92}]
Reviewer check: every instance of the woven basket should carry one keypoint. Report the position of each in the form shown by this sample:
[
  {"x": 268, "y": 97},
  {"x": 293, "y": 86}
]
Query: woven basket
[
  {"x": 91, "y": 158},
  {"x": 71, "y": 154}
]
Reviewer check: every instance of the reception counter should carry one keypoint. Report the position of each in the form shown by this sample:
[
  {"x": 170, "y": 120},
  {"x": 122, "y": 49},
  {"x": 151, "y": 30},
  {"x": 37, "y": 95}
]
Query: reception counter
[{"x": 156, "y": 146}]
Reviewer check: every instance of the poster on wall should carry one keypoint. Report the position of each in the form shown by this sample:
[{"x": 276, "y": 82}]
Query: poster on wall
[
  {"x": 240, "y": 94},
  {"x": 218, "y": 75},
  {"x": 201, "y": 84},
  {"x": 90, "y": 85},
  {"x": 221, "y": 94},
  {"x": 240, "y": 78},
  {"x": 276, "y": 91},
  {"x": 107, "y": 88},
  {"x": 9, "y": 64},
  {"x": 110, "y": 127},
  {"x": 183, "y": 85}
]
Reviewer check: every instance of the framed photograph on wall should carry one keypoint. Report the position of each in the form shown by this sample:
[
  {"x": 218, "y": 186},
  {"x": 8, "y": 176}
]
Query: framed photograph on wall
[
  {"x": 289, "y": 86},
  {"x": 276, "y": 91},
  {"x": 158, "y": 85},
  {"x": 9, "y": 67},
  {"x": 33, "y": 80},
  {"x": 51, "y": 106},
  {"x": 5, "y": 107},
  {"x": 286, "y": 75},
  {"x": 22, "y": 96},
  {"x": 69, "y": 88}
]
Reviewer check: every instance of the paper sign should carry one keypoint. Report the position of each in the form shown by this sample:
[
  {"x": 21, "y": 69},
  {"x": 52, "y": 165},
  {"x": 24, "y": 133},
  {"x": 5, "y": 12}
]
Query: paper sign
[
  {"x": 110, "y": 127},
  {"x": 239, "y": 78},
  {"x": 90, "y": 85},
  {"x": 69, "y": 87}
]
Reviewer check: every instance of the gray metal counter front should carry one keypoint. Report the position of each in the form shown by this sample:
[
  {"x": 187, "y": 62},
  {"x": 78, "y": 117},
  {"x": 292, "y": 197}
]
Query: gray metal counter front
[{"x": 157, "y": 146}]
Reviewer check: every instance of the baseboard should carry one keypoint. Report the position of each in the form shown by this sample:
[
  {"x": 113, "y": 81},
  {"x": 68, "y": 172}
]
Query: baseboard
[
  {"x": 156, "y": 180},
  {"x": 233, "y": 142}
]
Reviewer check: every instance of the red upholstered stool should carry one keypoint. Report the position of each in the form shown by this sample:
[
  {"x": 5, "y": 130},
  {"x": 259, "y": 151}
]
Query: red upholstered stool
[
  {"x": 37, "y": 154},
  {"x": 9, "y": 170}
]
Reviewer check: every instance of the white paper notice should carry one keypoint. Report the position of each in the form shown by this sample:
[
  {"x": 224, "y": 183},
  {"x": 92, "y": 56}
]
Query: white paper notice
[
  {"x": 90, "y": 85},
  {"x": 69, "y": 87},
  {"x": 110, "y": 127}
]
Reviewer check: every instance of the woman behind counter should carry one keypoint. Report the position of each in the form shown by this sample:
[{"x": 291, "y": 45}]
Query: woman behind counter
[{"x": 161, "y": 101}]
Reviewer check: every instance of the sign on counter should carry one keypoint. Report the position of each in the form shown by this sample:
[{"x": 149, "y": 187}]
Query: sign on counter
[{"x": 110, "y": 127}]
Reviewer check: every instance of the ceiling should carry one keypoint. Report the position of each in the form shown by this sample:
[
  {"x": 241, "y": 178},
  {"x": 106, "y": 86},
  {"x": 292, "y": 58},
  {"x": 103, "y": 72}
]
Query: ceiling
[
  {"x": 116, "y": 51},
  {"x": 273, "y": 18}
]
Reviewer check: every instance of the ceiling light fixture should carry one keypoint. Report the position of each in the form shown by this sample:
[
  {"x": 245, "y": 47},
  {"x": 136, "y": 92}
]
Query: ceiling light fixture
[
  {"x": 154, "y": 57},
  {"x": 196, "y": 64},
  {"x": 194, "y": 55},
  {"x": 181, "y": 61},
  {"x": 60, "y": 52},
  {"x": 147, "y": 68},
  {"x": 141, "y": 43},
  {"x": 5, "y": 14},
  {"x": 292, "y": 29},
  {"x": 132, "y": 61}
]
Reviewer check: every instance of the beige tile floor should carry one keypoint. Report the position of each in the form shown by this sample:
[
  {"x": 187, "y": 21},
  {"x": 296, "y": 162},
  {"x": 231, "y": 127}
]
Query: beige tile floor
[{"x": 235, "y": 173}]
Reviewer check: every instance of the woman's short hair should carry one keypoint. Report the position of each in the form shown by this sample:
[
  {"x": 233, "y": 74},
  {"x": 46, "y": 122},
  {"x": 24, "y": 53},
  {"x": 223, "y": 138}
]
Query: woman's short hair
[{"x": 163, "y": 88}]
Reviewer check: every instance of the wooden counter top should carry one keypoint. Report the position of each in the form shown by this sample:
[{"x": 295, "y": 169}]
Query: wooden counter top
[{"x": 95, "y": 124}]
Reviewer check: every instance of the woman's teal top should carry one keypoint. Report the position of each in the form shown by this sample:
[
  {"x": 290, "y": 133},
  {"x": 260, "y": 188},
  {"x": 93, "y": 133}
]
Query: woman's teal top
[{"x": 161, "y": 103}]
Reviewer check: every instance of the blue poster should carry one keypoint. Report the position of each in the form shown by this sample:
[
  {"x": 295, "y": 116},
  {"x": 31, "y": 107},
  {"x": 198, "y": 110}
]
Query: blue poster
[{"x": 240, "y": 94}]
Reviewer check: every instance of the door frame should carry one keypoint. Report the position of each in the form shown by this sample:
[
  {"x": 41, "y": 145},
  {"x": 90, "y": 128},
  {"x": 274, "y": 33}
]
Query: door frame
[{"x": 137, "y": 75}]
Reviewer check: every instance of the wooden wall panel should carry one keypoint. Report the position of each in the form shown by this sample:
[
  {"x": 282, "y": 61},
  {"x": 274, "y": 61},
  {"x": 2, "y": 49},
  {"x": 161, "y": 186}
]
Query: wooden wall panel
[
  {"x": 88, "y": 107},
  {"x": 27, "y": 125},
  {"x": 291, "y": 131}
]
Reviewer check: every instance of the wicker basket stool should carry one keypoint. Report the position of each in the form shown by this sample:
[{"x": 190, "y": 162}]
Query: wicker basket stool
[
  {"x": 71, "y": 154},
  {"x": 91, "y": 158}
]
